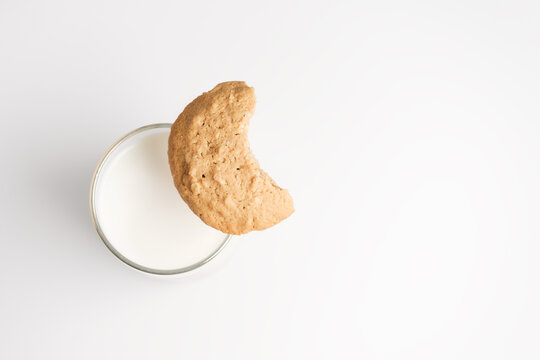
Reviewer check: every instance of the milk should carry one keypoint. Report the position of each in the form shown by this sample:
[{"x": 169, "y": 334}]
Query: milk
[{"x": 140, "y": 211}]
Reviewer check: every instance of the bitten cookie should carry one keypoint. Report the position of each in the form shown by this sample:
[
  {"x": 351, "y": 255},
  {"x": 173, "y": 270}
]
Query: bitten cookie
[{"x": 213, "y": 167}]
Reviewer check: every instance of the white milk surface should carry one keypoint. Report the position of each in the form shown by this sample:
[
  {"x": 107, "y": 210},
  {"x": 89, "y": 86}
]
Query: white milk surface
[{"x": 141, "y": 213}]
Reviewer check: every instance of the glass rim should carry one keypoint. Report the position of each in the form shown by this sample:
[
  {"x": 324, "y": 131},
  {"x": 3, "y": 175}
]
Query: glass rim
[{"x": 97, "y": 226}]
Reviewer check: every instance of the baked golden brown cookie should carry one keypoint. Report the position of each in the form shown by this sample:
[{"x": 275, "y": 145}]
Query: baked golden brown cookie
[{"x": 213, "y": 167}]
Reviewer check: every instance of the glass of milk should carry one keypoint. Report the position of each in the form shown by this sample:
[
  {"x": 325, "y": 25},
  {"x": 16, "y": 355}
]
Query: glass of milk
[{"x": 138, "y": 212}]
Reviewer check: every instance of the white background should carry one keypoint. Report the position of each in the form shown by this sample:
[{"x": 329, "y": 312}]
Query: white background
[{"x": 407, "y": 132}]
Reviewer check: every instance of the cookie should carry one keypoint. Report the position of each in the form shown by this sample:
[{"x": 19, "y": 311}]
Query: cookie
[{"x": 214, "y": 169}]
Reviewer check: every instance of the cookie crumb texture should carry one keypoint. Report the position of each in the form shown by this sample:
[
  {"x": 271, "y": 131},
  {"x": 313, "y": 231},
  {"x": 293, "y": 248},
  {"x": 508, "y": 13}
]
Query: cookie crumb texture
[{"x": 213, "y": 167}]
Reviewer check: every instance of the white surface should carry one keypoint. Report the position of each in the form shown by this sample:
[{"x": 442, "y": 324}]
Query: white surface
[
  {"x": 140, "y": 211},
  {"x": 407, "y": 132}
]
